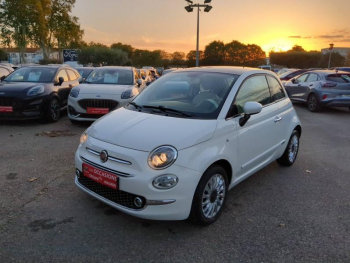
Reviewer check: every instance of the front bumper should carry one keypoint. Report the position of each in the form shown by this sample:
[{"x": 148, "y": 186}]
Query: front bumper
[
  {"x": 24, "y": 108},
  {"x": 78, "y": 113},
  {"x": 171, "y": 204}
]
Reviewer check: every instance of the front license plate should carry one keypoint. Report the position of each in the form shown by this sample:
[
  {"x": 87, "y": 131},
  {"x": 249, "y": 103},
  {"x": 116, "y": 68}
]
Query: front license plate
[
  {"x": 345, "y": 96},
  {"x": 97, "y": 110},
  {"x": 100, "y": 176},
  {"x": 6, "y": 109}
]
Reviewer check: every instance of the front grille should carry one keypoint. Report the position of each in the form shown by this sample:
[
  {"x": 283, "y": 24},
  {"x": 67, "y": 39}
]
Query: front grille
[
  {"x": 91, "y": 103},
  {"x": 10, "y": 101},
  {"x": 117, "y": 196}
]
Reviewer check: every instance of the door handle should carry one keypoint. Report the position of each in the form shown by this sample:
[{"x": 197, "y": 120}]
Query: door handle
[
  {"x": 299, "y": 85},
  {"x": 310, "y": 85},
  {"x": 277, "y": 119}
]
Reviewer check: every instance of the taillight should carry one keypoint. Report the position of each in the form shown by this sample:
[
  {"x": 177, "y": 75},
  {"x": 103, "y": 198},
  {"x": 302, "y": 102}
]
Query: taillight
[{"x": 328, "y": 84}]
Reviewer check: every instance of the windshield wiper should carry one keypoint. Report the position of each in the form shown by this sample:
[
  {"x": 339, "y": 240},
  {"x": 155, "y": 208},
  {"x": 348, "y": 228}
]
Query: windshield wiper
[
  {"x": 135, "y": 105},
  {"x": 162, "y": 108}
]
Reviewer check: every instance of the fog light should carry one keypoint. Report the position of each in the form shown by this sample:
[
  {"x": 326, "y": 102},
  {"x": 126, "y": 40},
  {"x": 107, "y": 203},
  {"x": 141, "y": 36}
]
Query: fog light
[
  {"x": 78, "y": 173},
  {"x": 165, "y": 181},
  {"x": 138, "y": 202}
]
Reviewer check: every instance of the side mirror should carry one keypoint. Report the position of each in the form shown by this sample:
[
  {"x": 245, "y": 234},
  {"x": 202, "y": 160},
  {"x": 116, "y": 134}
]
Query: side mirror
[
  {"x": 293, "y": 80},
  {"x": 60, "y": 81},
  {"x": 139, "y": 82},
  {"x": 250, "y": 108},
  {"x": 2, "y": 78},
  {"x": 81, "y": 80}
]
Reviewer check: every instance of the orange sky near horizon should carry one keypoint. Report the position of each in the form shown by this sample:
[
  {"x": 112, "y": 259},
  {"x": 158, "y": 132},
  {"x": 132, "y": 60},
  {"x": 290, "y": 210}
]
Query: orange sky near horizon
[{"x": 164, "y": 24}]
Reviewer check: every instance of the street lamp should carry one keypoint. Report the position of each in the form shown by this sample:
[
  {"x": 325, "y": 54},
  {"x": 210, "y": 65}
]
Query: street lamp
[
  {"x": 189, "y": 9},
  {"x": 330, "y": 55}
]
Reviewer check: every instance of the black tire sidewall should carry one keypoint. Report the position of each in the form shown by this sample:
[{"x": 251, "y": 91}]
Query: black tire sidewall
[
  {"x": 49, "y": 113},
  {"x": 317, "y": 106},
  {"x": 196, "y": 211},
  {"x": 284, "y": 160}
]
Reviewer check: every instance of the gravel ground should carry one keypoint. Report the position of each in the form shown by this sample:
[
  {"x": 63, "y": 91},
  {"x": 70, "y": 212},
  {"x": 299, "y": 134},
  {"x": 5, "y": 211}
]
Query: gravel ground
[{"x": 297, "y": 214}]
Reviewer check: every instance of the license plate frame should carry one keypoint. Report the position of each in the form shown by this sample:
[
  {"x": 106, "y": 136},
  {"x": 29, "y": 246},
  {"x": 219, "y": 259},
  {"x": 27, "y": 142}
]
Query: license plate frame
[
  {"x": 101, "y": 176},
  {"x": 102, "y": 111},
  {"x": 345, "y": 96},
  {"x": 6, "y": 109}
]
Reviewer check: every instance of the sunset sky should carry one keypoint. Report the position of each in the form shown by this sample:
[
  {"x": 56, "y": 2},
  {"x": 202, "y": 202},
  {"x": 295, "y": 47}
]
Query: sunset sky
[{"x": 165, "y": 24}]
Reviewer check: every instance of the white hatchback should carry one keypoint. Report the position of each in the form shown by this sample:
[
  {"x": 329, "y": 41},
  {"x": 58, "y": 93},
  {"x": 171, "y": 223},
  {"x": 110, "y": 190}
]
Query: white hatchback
[
  {"x": 104, "y": 90},
  {"x": 177, "y": 148}
]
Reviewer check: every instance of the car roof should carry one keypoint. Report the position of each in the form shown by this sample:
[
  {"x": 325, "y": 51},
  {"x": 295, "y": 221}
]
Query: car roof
[
  {"x": 46, "y": 66},
  {"x": 328, "y": 71},
  {"x": 225, "y": 69},
  {"x": 84, "y": 67},
  {"x": 116, "y": 67}
]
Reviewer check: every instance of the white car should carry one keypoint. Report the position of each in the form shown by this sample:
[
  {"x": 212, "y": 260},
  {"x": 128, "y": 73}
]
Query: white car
[
  {"x": 178, "y": 147},
  {"x": 104, "y": 90}
]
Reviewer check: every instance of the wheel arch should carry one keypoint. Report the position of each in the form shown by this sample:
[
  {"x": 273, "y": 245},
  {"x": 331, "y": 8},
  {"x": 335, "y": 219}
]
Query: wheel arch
[{"x": 226, "y": 166}]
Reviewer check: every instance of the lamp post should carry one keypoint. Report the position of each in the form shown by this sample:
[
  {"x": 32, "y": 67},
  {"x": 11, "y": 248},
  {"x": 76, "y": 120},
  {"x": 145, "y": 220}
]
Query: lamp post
[
  {"x": 189, "y": 9},
  {"x": 330, "y": 55}
]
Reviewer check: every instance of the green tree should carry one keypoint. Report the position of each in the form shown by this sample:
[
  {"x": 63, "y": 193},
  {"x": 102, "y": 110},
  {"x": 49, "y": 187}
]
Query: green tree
[
  {"x": 214, "y": 53},
  {"x": 3, "y": 55},
  {"x": 192, "y": 57},
  {"x": 101, "y": 55},
  {"x": 126, "y": 48},
  {"x": 337, "y": 60},
  {"x": 45, "y": 23}
]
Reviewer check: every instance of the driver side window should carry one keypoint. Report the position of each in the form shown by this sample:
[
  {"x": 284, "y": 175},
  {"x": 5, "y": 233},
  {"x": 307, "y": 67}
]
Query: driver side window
[
  {"x": 302, "y": 78},
  {"x": 253, "y": 89}
]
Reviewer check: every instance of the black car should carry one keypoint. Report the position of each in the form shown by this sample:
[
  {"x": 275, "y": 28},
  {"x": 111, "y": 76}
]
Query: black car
[{"x": 36, "y": 92}]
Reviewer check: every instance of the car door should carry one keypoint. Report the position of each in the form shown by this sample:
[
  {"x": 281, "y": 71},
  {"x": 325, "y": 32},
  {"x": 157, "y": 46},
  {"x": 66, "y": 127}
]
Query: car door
[
  {"x": 257, "y": 141},
  {"x": 311, "y": 82},
  {"x": 64, "y": 89},
  {"x": 295, "y": 89}
]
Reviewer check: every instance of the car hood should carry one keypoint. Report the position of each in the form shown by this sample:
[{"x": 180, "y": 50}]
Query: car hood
[
  {"x": 144, "y": 132},
  {"x": 103, "y": 89},
  {"x": 15, "y": 87}
]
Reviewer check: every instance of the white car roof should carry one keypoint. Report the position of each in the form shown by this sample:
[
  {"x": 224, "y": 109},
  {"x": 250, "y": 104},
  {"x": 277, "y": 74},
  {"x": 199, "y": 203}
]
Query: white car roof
[{"x": 226, "y": 69}]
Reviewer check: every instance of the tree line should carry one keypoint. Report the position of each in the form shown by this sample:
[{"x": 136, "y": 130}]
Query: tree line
[
  {"x": 47, "y": 24},
  {"x": 297, "y": 57},
  {"x": 215, "y": 53}
]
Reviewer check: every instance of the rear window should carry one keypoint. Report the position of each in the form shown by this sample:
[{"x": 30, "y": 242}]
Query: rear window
[{"x": 339, "y": 78}]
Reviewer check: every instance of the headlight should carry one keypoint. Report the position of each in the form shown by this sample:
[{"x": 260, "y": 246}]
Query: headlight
[
  {"x": 165, "y": 181},
  {"x": 36, "y": 90},
  {"x": 84, "y": 136},
  {"x": 129, "y": 93},
  {"x": 162, "y": 157},
  {"x": 74, "y": 92}
]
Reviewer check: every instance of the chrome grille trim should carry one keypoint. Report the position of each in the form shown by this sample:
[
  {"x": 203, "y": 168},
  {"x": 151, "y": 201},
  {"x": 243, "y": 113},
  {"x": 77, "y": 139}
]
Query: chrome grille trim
[
  {"x": 109, "y": 157},
  {"x": 106, "y": 169}
]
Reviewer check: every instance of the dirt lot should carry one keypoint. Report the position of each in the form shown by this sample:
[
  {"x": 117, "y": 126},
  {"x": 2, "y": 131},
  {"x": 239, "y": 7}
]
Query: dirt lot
[{"x": 297, "y": 214}]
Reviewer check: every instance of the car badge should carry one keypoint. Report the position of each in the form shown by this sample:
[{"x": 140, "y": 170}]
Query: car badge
[{"x": 103, "y": 156}]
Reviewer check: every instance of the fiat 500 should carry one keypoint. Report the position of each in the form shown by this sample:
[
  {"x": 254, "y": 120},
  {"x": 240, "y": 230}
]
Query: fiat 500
[{"x": 176, "y": 149}]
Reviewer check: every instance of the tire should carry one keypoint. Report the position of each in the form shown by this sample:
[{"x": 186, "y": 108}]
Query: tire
[
  {"x": 53, "y": 111},
  {"x": 287, "y": 159},
  {"x": 313, "y": 104},
  {"x": 208, "y": 213}
]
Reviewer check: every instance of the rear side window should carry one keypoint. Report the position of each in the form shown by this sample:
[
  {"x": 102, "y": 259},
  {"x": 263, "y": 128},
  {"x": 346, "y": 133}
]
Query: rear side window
[
  {"x": 312, "y": 77},
  {"x": 340, "y": 78},
  {"x": 63, "y": 74},
  {"x": 253, "y": 89},
  {"x": 276, "y": 89},
  {"x": 72, "y": 75}
]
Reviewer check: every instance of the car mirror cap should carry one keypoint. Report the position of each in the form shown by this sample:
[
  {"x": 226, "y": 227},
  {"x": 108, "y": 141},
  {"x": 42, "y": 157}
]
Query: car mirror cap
[{"x": 252, "y": 107}]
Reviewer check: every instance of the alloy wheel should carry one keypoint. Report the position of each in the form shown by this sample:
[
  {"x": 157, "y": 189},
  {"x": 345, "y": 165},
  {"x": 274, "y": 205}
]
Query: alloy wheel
[
  {"x": 213, "y": 196},
  {"x": 293, "y": 148}
]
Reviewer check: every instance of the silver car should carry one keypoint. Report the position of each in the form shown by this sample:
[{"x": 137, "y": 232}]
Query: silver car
[{"x": 321, "y": 88}]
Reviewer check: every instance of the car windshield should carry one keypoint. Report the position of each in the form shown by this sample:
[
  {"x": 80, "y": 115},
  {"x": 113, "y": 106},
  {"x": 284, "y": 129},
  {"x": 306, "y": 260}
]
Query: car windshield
[
  {"x": 110, "y": 76},
  {"x": 84, "y": 72},
  {"x": 39, "y": 75},
  {"x": 194, "y": 94}
]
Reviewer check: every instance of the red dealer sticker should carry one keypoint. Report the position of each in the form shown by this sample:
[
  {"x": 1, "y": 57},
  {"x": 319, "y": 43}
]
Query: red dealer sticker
[
  {"x": 100, "y": 176},
  {"x": 97, "y": 110},
  {"x": 6, "y": 109}
]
